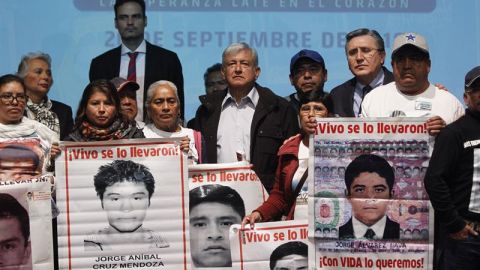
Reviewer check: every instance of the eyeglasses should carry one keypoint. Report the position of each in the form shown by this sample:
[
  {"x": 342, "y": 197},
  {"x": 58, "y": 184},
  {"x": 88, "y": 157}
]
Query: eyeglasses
[
  {"x": 8, "y": 98},
  {"x": 317, "y": 110},
  {"x": 366, "y": 51}
]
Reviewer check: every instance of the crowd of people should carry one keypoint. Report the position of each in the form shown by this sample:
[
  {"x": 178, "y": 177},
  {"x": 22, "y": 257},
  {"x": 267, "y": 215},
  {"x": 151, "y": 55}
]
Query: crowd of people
[{"x": 136, "y": 91}]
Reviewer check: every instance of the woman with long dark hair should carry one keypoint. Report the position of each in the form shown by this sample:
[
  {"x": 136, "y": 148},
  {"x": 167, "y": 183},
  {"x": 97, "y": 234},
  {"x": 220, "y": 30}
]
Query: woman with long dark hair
[{"x": 98, "y": 116}]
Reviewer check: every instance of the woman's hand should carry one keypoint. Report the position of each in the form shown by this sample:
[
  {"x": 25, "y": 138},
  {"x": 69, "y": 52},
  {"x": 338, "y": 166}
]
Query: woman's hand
[
  {"x": 185, "y": 144},
  {"x": 251, "y": 219},
  {"x": 55, "y": 151}
]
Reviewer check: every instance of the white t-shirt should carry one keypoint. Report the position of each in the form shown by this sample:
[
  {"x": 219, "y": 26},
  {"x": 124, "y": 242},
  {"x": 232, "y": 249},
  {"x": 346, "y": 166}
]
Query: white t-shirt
[
  {"x": 150, "y": 131},
  {"x": 388, "y": 101},
  {"x": 301, "y": 206}
]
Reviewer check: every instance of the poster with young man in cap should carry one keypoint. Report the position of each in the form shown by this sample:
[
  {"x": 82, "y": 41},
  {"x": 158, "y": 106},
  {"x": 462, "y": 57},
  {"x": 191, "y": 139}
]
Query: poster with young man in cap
[{"x": 364, "y": 216}]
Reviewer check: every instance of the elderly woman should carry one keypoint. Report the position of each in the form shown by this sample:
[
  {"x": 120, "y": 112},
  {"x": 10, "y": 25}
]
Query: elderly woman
[
  {"x": 293, "y": 165},
  {"x": 98, "y": 116},
  {"x": 163, "y": 110},
  {"x": 14, "y": 125},
  {"x": 35, "y": 69}
]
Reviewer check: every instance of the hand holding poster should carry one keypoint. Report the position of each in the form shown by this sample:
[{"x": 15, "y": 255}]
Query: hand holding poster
[
  {"x": 26, "y": 224},
  {"x": 271, "y": 245},
  {"x": 114, "y": 198},
  {"x": 367, "y": 205},
  {"x": 220, "y": 195}
]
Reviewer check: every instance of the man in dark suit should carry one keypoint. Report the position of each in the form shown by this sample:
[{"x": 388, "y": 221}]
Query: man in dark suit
[
  {"x": 245, "y": 121},
  {"x": 136, "y": 59},
  {"x": 365, "y": 51},
  {"x": 369, "y": 181}
]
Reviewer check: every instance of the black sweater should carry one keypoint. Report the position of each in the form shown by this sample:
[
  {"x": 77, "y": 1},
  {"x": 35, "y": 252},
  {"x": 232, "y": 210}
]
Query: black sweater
[{"x": 449, "y": 176}]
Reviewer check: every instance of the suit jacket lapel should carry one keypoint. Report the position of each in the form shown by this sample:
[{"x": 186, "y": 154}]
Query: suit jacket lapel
[{"x": 114, "y": 67}]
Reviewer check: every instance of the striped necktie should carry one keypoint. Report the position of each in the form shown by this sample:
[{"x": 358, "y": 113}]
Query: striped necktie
[{"x": 132, "y": 72}]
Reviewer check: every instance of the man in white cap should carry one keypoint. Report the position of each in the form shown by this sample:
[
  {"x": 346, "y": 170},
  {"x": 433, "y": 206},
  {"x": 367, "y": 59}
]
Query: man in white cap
[
  {"x": 411, "y": 94},
  {"x": 127, "y": 92}
]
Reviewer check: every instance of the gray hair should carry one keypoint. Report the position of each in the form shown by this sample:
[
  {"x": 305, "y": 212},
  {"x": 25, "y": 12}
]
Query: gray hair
[
  {"x": 237, "y": 47},
  {"x": 23, "y": 66},
  {"x": 151, "y": 91},
  {"x": 366, "y": 32}
]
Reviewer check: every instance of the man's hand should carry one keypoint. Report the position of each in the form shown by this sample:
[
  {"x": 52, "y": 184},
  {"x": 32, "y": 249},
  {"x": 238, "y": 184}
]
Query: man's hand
[
  {"x": 464, "y": 233},
  {"x": 441, "y": 87},
  {"x": 435, "y": 124},
  {"x": 251, "y": 219}
]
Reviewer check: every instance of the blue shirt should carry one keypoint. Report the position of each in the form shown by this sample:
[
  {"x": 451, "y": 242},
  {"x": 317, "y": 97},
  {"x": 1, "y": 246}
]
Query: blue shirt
[{"x": 358, "y": 94}]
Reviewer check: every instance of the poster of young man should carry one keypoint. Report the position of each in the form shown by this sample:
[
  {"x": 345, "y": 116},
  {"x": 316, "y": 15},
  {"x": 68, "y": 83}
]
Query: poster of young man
[
  {"x": 22, "y": 158},
  {"x": 26, "y": 224},
  {"x": 122, "y": 205},
  {"x": 271, "y": 245},
  {"x": 220, "y": 196},
  {"x": 368, "y": 207}
]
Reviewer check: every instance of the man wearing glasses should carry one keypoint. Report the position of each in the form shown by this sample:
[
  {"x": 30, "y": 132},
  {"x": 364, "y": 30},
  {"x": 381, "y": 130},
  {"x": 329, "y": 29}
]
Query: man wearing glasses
[{"x": 365, "y": 51}]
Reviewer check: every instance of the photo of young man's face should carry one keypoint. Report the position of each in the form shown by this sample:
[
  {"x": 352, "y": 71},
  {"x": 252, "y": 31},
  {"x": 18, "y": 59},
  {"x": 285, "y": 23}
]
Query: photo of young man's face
[
  {"x": 209, "y": 241},
  {"x": 14, "y": 248},
  {"x": 17, "y": 169},
  {"x": 369, "y": 194},
  {"x": 125, "y": 204},
  {"x": 292, "y": 262}
]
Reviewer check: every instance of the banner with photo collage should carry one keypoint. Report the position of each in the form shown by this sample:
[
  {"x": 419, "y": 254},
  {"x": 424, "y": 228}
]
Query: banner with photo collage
[
  {"x": 220, "y": 196},
  {"x": 122, "y": 205},
  {"x": 368, "y": 208}
]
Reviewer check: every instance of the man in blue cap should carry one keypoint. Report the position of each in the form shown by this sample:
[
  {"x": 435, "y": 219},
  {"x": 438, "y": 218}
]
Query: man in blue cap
[{"x": 307, "y": 73}]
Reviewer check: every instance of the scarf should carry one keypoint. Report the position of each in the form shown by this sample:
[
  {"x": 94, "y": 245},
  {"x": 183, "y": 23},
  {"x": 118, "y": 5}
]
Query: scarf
[
  {"x": 42, "y": 113},
  {"x": 28, "y": 128},
  {"x": 117, "y": 130}
]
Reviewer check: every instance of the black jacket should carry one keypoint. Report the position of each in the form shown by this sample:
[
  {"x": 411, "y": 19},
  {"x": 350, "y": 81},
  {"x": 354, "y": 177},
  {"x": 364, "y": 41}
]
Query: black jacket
[
  {"x": 392, "y": 230},
  {"x": 342, "y": 95},
  {"x": 449, "y": 176},
  {"x": 160, "y": 64},
  {"x": 273, "y": 122},
  {"x": 64, "y": 114}
]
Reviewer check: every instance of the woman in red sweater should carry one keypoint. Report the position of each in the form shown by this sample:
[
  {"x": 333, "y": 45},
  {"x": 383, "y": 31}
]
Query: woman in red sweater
[{"x": 293, "y": 165}]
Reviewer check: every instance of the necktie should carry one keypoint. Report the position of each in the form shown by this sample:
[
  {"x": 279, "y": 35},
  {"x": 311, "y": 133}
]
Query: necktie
[
  {"x": 370, "y": 234},
  {"x": 365, "y": 91},
  {"x": 132, "y": 72}
]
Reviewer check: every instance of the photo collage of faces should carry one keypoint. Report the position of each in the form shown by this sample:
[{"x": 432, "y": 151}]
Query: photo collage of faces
[{"x": 399, "y": 165}]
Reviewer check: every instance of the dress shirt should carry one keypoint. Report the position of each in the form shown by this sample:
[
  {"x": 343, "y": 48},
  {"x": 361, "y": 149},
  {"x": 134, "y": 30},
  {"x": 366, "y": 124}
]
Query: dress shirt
[
  {"x": 359, "y": 229},
  {"x": 358, "y": 93},
  {"x": 140, "y": 71},
  {"x": 233, "y": 134}
]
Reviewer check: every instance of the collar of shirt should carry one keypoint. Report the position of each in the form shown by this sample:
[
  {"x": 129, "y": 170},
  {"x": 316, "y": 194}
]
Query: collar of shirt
[
  {"x": 142, "y": 48},
  {"x": 359, "y": 229},
  {"x": 252, "y": 97},
  {"x": 377, "y": 81}
]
